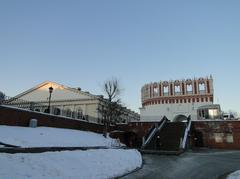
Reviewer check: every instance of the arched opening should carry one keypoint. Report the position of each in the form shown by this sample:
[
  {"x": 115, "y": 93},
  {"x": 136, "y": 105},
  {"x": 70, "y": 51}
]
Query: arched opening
[
  {"x": 177, "y": 90},
  {"x": 56, "y": 111},
  {"x": 79, "y": 113},
  {"x": 180, "y": 118},
  {"x": 201, "y": 87},
  {"x": 165, "y": 90},
  {"x": 67, "y": 112},
  {"x": 37, "y": 110},
  {"x": 189, "y": 89}
]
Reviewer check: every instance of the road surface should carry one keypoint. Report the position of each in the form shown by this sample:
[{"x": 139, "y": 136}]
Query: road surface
[{"x": 204, "y": 164}]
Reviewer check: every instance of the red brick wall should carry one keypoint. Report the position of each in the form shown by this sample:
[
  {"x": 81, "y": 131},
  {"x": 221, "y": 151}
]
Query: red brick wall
[
  {"x": 19, "y": 117},
  {"x": 140, "y": 128},
  {"x": 208, "y": 129},
  {"x": 216, "y": 134}
]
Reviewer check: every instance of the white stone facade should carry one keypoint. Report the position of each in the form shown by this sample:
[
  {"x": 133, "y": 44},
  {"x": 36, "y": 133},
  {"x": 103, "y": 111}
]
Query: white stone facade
[
  {"x": 70, "y": 102},
  {"x": 174, "y": 99}
]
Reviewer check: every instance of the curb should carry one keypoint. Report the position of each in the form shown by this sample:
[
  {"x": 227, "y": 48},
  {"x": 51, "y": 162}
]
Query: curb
[
  {"x": 49, "y": 149},
  {"x": 133, "y": 171},
  {"x": 162, "y": 152}
]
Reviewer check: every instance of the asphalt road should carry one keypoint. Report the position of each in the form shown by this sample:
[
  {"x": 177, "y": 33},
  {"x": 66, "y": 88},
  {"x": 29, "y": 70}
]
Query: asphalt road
[{"x": 206, "y": 164}]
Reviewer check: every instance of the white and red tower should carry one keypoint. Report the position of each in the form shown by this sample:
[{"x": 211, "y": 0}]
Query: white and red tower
[{"x": 175, "y": 99}]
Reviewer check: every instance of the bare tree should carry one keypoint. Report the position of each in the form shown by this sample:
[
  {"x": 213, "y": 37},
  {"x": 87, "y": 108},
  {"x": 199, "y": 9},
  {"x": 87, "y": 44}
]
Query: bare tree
[
  {"x": 111, "y": 107},
  {"x": 2, "y": 97}
]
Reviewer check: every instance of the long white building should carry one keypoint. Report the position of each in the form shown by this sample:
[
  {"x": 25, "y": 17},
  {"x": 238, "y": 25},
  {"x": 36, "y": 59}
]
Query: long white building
[
  {"x": 66, "y": 101},
  {"x": 175, "y": 99}
]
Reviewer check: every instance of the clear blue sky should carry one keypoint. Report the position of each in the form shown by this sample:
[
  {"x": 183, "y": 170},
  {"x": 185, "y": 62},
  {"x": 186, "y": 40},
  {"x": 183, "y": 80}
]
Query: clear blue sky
[{"x": 82, "y": 43}]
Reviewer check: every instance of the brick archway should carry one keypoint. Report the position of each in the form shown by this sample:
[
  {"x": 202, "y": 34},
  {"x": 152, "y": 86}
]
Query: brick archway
[{"x": 180, "y": 118}]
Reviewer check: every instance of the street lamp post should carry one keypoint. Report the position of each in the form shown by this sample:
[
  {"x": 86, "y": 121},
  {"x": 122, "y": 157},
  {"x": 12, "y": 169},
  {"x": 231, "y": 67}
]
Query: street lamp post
[{"x": 50, "y": 94}]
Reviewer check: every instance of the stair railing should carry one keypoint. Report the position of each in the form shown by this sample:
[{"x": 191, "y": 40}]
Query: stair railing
[
  {"x": 157, "y": 128},
  {"x": 184, "y": 141}
]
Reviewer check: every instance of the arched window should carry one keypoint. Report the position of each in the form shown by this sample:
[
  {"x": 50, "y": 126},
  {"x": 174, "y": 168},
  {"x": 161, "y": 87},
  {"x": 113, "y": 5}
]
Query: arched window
[
  {"x": 189, "y": 89},
  {"x": 46, "y": 110},
  {"x": 165, "y": 90},
  {"x": 189, "y": 86},
  {"x": 37, "y": 110},
  {"x": 56, "y": 111},
  {"x": 79, "y": 113},
  {"x": 177, "y": 89},
  {"x": 155, "y": 89},
  {"x": 68, "y": 112},
  {"x": 201, "y": 87}
]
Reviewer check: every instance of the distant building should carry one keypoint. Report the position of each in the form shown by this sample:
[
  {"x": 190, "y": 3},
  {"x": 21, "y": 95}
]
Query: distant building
[
  {"x": 175, "y": 99},
  {"x": 69, "y": 102}
]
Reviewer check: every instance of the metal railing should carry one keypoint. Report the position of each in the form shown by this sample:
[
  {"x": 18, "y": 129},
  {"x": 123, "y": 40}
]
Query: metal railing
[
  {"x": 186, "y": 133},
  {"x": 153, "y": 131}
]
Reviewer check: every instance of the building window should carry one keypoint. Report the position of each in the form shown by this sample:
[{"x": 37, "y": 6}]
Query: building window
[
  {"x": 176, "y": 100},
  {"x": 56, "y": 111},
  {"x": 193, "y": 100},
  {"x": 165, "y": 90},
  {"x": 37, "y": 110},
  {"x": 46, "y": 110},
  {"x": 201, "y": 87},
  {"x": 180, "y": 100},
  {"x": 229, "y": 138},
  {"x": 189, "y": 89},
  {"x": 155, "y": 90},
  {"x": 189, "y": 100},
  {"x": 203, "y": 114},
  {"x": 177, "y": 90},
  {"x": 218, "y": 137},
  {"x": 202, "y": 99},
  {"x": 197, "y": 99},
  {"x": 68, "y": 112},
  {"x": 185, "y": 101},
  {"x": 206, "y": 99}
]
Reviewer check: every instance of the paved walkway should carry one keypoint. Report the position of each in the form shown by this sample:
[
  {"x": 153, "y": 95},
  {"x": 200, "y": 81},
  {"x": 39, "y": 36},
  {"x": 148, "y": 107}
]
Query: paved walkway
[{"x": 206, "y": 164}]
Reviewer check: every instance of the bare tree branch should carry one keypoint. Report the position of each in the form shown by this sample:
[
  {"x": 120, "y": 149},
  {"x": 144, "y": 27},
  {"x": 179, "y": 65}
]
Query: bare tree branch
[{"x": 112, "y": 109}]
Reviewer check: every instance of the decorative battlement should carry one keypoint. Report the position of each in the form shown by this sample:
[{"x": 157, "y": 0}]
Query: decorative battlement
[{"x": 179, "y": 91}]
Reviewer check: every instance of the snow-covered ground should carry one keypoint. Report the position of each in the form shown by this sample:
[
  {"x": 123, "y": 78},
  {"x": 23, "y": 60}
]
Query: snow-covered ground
[
  {"x": 91, "y": 164},
  {"x": 99, "y": 163},
  {"x": 52, "y": 137},
  {"x": 234, "y": 175}
]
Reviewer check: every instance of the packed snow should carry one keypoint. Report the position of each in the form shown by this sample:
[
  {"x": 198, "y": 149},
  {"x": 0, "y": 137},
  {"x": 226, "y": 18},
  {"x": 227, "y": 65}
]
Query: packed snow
[
  {"x": 102, "y": 163},
  {"x": 97, "y": 163},
  {"x": 234, "y": 175},
  {"x": 52, "y": 137}
]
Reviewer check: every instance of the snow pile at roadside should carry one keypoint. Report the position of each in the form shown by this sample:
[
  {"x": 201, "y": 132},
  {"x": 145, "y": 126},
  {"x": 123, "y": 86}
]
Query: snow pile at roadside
[
  {"x": 52, "y": 137},
  {"x": 90, "y": 164},
  {"x": 234, "y": 175}
]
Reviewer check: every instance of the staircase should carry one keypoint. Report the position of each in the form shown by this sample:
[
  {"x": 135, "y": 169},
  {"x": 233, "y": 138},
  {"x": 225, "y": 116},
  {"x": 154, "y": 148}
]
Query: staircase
[
  {"x": 153, "y": 130},
  {"x": 171, "y": 137}
]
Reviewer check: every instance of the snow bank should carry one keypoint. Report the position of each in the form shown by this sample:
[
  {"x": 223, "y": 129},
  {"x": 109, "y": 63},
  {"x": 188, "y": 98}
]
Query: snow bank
[
  {"x": 52, "y": 137},
  {"x": 91, "y": 164},
  {"x": 234, "y": 175}
]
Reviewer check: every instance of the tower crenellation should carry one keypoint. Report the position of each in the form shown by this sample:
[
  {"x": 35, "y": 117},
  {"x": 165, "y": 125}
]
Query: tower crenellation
[{"x": 179, "y": 95}]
